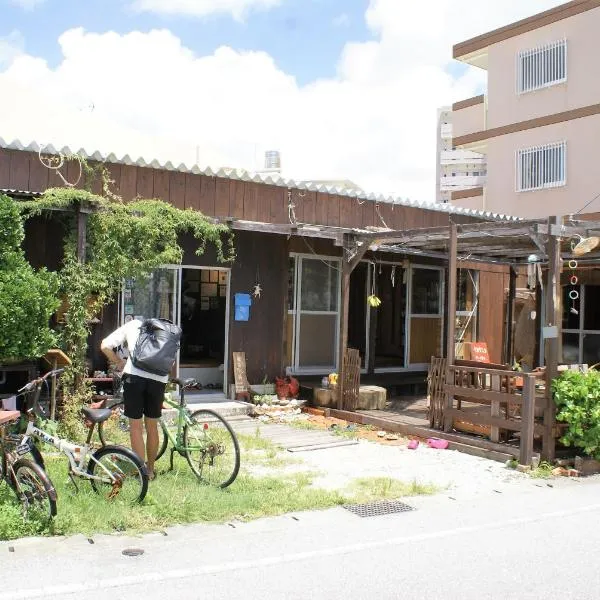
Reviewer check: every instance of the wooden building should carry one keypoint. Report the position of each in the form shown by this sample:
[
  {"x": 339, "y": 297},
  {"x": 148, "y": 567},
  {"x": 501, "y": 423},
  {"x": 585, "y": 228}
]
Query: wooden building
[{"x": 291, "y": 241}]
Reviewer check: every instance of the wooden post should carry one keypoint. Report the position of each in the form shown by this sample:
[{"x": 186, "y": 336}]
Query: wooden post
[
  {"x": 527, "y": 420},
  {"x": 81, "y": 234},
  {"x": 551, "y": 340},
  {"x": 450, "y": 345},
  {"x": 510, "y": 311},
  {"x": 347, "y": 267}
]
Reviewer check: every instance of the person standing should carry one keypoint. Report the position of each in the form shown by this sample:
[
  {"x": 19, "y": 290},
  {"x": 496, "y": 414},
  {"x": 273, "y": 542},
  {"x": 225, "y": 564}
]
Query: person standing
[{"x": 143, "y": 393}]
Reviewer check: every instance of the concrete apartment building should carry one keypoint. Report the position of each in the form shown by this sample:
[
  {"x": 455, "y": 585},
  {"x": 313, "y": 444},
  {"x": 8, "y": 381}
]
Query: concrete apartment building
[
  {"x": 539, "y": 123},
  {"x": 457, "y": 169}
]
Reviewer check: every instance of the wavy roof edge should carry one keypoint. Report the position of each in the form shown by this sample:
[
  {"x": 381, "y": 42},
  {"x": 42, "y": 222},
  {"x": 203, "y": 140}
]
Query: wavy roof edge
[{"x": 243, "y": 175}]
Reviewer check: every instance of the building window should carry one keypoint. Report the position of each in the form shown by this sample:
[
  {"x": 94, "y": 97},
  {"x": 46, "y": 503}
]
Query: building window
[
  {"x": 541, "y": 67},
  {"x": 541, "y": 167}
]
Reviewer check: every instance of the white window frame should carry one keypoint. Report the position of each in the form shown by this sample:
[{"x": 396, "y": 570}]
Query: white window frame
[
  {"x": 534, "y": 181},
  {"x": 534, "y": 76}
]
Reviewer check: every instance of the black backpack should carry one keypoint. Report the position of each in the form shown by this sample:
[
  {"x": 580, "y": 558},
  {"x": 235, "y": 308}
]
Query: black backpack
[{"x": 156, "y": 347}]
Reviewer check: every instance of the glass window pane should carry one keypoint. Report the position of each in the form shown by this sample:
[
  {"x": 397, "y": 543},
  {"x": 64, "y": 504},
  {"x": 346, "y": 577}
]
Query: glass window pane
[
  {"x": 426, "y": 292},
  {"x": 591, "y": 349},
  {"x": 570, "y": 319},
  {"x": 319, "y": 285},
  {"x": 570, "y": 348},
  {"x": 592, "y": 312},
  {"x": 150, "y": 297},
  {"x": 465, "y": 290}
]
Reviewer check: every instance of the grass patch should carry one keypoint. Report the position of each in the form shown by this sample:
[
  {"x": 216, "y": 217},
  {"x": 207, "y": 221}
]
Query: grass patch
[
  {"x": 176, "y": 497},
  {"x": 542, "y": 471},
  {"x": 367, "y": 489}
]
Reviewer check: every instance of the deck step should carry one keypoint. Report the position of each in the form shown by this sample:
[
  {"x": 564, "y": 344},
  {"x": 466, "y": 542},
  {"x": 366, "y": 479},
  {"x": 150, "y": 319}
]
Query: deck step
[{"x": 457, "y": 441}]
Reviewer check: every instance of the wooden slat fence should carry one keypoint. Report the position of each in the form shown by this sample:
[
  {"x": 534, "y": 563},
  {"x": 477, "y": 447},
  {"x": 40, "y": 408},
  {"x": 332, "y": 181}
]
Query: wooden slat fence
[
  {"x": 511, "y": 409},
  {"x": 351, "y": 385}
]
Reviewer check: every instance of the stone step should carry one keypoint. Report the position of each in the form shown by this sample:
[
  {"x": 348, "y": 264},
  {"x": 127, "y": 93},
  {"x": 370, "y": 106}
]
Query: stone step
[{"x": 228, "y": 409}]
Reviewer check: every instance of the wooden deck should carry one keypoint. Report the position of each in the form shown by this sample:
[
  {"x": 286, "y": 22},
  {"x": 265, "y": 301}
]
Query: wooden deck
[{"x": 408, "y": 416}]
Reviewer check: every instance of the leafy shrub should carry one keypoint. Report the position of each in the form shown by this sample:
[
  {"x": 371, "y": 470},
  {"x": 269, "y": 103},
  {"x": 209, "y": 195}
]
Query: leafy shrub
[
  {"x": 27, "y": 297},
  {"x": 577, "y": 396}
]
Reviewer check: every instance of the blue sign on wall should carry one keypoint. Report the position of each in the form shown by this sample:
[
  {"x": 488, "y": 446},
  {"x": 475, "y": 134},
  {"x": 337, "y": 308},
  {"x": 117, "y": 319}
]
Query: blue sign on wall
[{"x": 242, "y": 304}]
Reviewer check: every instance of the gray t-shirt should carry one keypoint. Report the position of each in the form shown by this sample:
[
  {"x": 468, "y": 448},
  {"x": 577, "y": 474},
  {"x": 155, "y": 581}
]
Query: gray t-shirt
[{"x": 127, "y": 336}]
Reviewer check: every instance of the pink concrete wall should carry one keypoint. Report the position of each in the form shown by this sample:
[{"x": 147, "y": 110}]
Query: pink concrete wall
[
  {"x": 582, "y": 88},
  {"x": 582, "y": 175},
  {"x": 468, "y": 120}
]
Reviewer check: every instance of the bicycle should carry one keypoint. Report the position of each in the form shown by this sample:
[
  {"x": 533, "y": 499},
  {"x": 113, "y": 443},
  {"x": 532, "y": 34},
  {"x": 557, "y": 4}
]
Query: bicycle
[
  {"x": 203, "y": 437},
  {"x": 113, "y": 471},
  {"x": 27, "y": 479}
]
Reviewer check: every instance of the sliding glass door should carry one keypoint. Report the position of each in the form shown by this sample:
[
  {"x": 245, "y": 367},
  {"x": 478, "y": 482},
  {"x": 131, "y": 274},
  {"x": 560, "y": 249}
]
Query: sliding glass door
[{"x": 313, "y": 312}]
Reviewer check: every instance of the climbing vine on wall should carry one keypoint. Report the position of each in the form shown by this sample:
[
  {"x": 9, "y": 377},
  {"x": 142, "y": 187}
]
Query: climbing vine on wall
[{"x": 123, "y": 240}]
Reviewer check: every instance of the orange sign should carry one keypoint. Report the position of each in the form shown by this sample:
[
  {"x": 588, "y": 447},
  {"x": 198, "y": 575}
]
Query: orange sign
[{"x": 479, "y": 352}]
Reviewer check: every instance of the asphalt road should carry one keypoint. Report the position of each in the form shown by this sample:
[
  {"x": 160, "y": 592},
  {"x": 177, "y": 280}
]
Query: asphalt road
[{"x": 541, "y": 542}]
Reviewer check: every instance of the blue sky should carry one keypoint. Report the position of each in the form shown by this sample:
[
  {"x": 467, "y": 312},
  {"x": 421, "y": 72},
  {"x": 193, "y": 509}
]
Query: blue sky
[
  {"x": 344, "y": 89},
  {"x": 305, "y": 37}
]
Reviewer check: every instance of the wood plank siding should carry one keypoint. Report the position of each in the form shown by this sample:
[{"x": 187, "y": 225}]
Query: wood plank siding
[{"x": 221, "y": 197}]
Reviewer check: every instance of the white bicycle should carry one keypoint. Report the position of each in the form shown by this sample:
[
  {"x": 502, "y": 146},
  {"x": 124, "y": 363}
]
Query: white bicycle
[{"x": 113, "y": 471}]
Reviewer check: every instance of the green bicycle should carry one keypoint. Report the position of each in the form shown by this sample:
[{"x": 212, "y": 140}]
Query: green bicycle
[{"x": 203, "y": 437}]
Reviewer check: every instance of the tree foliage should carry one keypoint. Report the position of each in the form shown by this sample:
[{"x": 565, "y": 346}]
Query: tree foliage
[{"x": 28, "y": 297}]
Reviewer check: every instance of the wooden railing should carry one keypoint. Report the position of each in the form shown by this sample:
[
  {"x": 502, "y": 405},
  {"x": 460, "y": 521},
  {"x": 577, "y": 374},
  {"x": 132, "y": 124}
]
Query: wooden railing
[{"x": 511, "y": 408}]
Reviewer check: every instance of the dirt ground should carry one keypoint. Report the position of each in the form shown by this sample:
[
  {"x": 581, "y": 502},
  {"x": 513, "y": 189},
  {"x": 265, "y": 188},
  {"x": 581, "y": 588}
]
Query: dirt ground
[{"x": 364, "y": 432}]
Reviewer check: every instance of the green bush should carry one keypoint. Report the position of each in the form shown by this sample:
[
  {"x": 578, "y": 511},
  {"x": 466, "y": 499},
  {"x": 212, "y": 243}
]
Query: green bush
[
  {"x": 27, "y": 297},
  {"x": 577, "y": 396}
]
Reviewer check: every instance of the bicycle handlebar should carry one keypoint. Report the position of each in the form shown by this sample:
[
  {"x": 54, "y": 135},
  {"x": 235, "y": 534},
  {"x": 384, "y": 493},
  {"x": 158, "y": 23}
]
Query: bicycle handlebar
[{"x": 38, "y": 380}]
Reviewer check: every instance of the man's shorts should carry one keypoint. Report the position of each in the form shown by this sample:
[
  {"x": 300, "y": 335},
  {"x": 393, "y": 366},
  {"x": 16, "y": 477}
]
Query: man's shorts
[{"x": 142, "y": 396}]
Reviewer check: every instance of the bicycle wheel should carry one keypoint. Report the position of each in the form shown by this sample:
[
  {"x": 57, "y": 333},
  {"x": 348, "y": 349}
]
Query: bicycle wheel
[
  {"x": 163, "y": 440},
  {"x": 34, "y": 490},
  {"x": 211, "y": 448},
  {"x": 118, "y": 473}
]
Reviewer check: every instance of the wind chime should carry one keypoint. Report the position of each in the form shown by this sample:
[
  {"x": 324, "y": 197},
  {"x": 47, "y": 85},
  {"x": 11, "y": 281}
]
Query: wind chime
[{"x": 583, "y": 246}]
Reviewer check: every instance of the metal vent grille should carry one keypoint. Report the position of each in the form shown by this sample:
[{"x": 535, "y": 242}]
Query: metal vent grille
[{"x": 381, "y": 507}]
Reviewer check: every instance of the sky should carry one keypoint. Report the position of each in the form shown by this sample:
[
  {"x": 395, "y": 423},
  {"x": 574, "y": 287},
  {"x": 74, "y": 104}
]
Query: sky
[{"x": 344, "y": 89}]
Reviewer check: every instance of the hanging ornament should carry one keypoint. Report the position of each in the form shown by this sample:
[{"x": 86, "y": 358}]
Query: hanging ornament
[
  {"x": 393, "y": 276},
  {"x": 257, "y": 289},
  {"x": 373, "y": 300},
  {"x": 574, "y": 280},
  {"x": 584, "y": 245}
]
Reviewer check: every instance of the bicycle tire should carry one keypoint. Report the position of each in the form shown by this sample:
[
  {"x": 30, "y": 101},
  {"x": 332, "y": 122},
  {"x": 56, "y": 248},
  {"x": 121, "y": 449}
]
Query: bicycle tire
[
  {"x": 164, "y": 443},
  {"x": 122, "y": 455},
  {"x": 204, "y": 417},
  {"x": 44, "y": 489}
]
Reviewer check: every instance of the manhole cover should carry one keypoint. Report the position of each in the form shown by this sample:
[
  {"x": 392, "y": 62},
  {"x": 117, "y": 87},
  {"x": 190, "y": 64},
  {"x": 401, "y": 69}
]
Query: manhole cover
[
  {"x": 381, "y": 507},
  {"x": 133, "y": 551}
]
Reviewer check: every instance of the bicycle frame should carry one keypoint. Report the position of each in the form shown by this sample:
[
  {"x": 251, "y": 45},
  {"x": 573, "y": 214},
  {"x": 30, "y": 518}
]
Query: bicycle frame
[{"x": 75, "y": 453}]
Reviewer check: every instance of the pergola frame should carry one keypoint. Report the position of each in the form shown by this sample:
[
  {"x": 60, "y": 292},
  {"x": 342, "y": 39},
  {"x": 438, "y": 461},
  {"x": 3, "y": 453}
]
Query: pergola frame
[{"x": 511, "y": 243}]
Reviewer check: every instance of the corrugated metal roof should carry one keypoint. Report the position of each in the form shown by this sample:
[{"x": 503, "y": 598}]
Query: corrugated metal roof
[
  {"x": 19, "y": 193},
  {"x": 243, "y": 175}
]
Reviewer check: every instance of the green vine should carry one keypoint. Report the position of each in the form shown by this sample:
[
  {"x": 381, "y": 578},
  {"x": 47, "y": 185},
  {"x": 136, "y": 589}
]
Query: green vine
[{"x": 124, "y": 240}]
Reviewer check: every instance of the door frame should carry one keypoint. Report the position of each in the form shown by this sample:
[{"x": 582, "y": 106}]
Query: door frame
[
  {"x": 177, "y": 310},
  {"x": 294, "y": 368}
]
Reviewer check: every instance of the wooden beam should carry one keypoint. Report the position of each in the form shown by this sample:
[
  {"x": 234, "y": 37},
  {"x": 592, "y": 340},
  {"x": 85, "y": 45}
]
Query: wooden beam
[
  {"x": 347, "y": 267},
  {"x": 527, "y": 420},
  {"x": 553, "y": 319},
  {"x": 510, "y": 311},
  {"x": 451, "y": 325}
]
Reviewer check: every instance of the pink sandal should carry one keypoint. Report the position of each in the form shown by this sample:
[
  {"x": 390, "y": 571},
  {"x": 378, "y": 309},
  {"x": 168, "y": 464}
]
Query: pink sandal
[
  {"x": 437, "y": 443},
  {"x": 413, "y": 444}
]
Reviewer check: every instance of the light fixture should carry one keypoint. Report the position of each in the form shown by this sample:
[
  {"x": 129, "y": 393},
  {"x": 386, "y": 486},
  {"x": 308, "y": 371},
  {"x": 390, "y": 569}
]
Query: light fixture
[
  {"x": 533, "y": 258},
  {"x": 585, "y": 245}
]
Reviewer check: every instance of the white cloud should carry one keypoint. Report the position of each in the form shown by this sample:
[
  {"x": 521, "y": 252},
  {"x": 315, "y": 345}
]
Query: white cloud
[
  {"x": 10, "y": 47},
  {"x": 202, "y": 8},
  {"x": 27, "y": 4},
  {"x": 373, "y": 123}
]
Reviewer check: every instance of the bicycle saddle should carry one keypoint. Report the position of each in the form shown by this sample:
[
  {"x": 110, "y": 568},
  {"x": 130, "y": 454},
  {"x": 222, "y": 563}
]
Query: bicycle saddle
[
  {"x": 185, "y": 383},
  {"x": 96, "y": 415}
]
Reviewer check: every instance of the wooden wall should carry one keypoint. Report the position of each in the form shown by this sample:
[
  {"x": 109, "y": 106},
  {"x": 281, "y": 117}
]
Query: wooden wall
[
  {"x": 215, "y": 196},
  {"x": 493, "y": 284}
]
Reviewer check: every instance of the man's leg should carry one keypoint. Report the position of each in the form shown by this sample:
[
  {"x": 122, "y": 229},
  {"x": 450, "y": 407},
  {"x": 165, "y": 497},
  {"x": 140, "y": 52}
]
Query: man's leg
[
  {"x": 151, "y": 444},
  {"x": 133, "y": 400},
  {"x": 136, "y": 435}
]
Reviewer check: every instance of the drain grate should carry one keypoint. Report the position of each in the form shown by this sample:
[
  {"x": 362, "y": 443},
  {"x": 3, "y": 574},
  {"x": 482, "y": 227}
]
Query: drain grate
[{"x": 381, "y": 507}]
